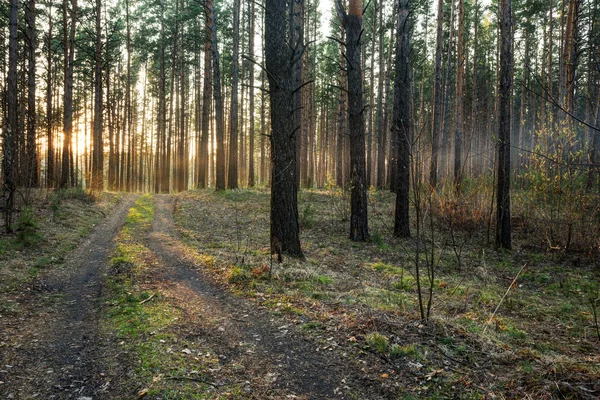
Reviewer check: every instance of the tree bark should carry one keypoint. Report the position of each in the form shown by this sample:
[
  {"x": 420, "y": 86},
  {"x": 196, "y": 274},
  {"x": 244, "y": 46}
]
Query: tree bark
[
  {"x": 503, "y": 229},
  {"x": 69, "y": 49},
  {"x": 98, "y": 151},
  {"x": 31, "y": 146},
  {"x": 232, "y": 177},
  {"x": 352, "y": 21},
  {"x": 401, "y": 123},
  {"x": 49, "y": 109},
  {"x": 220, "y": 131},
  {"x": 280, "y": 63},
  {"x": 460, "y": 109},
  {"x": 437, "y": 99},
  {"x": 12, "y": 126}
]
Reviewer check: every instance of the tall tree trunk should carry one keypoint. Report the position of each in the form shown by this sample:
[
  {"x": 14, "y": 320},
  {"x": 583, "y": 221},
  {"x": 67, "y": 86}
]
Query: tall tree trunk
[
  {"x": 206, "y": 103},
  {"x": 98, "y": 158},
  {"x": 220, "y": 131},
  {"x": 401, "y": 123},
  {"x": 161, "y": 118},
  {"x": 570, "y": 54},
  {"x": 31, "y": 146},
  {"x": 69, "y": 49},
  {"x": 381, "y": 133},
  {"x": 251, "y": 180},
  {"x": 371, "y": 135},
  {"x": 437, "y": 99},
  {"x": 460, "y": 109},
  {"x": 232, "y": 177},
  {"x": 285, "y": 235},
  {"x": 352, "y": 20},
  {"x": 474, "y": 90},
  {"x": 503, "y": 169},
  {"x": 296, "y": 26},
  {"x": 49, "y": 110},
  {"x": 12, "y": 126},
  {"x": 181, "y": 158}
]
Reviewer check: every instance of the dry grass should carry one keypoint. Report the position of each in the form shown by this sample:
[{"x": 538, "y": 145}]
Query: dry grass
[
  {"x": 541, "y": 342},
  {"x": 46, "y": 230}
]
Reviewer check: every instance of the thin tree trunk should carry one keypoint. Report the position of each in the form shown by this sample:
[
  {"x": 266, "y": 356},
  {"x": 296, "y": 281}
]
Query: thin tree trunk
[
  {"x": 232, "y": 177},
  {"x": 49, "y": 109},
  {"x": 69, "y": 47},
  {"x": 503, "y": 238},
  {"x": 251, "y": 179},
  {"x": 220, "y": 131},
  {"x": 437, "y": 99},
  {"x": 31, "y": 169},
  {"x": 352, "y": 21},
  {"x": 12, "y": 126},
  {"x": 460, "y": 110},
  {"x": 98, "y": 160},
  {"x": 401, "y": 123}
]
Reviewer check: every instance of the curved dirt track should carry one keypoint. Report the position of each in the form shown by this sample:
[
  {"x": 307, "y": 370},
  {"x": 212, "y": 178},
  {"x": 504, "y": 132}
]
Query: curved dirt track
[
  {"x": 57, "y": 343},
  {"x": 61, "y": 352},
  {"x": 277, "y": 351}
]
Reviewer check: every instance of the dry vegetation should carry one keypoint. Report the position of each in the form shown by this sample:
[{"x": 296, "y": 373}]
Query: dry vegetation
[
  {"x": 51, "y": 225},
  {"x": 542, "y": 341}
]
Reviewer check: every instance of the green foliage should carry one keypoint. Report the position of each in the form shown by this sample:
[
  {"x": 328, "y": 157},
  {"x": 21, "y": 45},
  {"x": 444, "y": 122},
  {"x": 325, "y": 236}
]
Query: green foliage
[
  {"x": 27, "y": 226},
  {"x": 409, "y": 350},
  {"x": 555, "y": 200},
  {"x": 378, "y": 342},
  {"x": 307, "y": 219},
  {"x": 238, "y": 275}
]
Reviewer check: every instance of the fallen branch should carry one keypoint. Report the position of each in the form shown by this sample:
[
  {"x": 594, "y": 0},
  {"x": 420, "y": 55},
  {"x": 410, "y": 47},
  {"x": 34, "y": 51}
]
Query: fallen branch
[
  {"x": 188, "y": 378},
  {"x": 502, "y": 299},
  {"x": 148, "y": 299}
]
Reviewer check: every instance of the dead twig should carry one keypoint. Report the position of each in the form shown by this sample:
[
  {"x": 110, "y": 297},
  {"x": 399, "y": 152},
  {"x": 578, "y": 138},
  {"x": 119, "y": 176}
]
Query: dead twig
[
  {"x": 148, "y": 299},
  {"x": 502, "y": 299},
  {"x": 189, "y": 378}
]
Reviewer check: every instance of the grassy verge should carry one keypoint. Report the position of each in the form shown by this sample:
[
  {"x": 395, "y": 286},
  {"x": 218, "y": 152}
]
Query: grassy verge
[{"x": 46, "y": 231}]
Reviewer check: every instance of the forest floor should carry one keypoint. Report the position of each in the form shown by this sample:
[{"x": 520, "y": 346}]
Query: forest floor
[{"x": 176, "y": 297}]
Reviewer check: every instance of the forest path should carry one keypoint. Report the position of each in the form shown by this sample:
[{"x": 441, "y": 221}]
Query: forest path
[
  {"x": 57, "y": 340},
  {"x": 276, "y": 360}
]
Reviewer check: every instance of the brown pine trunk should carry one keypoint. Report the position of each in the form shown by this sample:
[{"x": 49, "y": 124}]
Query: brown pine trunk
[
  {"x": 31, "y": 147},
  {"x": 159, "y": 167},
  {"x": 206, "y": 103},
  {"x": 98, "y": 150},
  {"x": 251, "y": 179},
  {"x": 232, "y": 177},
  {"x": 49, "y": 109},
  {"x": 285, "y": 237},
  {"x": 460, "y": 110},
  {"x": 401, "y": 123},
  {"x": 352, "y": 21},
  {"x": 12, "y": 127},
  {"x": 503, "y": 229},
  {"x": 220, "y": 129},
  {"x": 381, "y": 133},
  {"x": 69, "y": 49},
  {"x": 437, "y": 99}
]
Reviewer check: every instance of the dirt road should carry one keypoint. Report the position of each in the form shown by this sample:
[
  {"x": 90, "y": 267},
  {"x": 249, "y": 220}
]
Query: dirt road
[
  {"x": 61, "y": 353},
  {"x": 54, "y": 341}
]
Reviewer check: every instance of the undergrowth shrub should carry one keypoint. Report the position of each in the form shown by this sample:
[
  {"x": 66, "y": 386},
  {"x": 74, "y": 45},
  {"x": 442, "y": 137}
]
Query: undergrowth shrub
[
  {"x": 27, "y": 227},
  {"x": 554, "y": 202}
]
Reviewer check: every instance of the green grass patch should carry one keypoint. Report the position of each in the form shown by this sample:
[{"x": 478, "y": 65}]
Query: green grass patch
[
  {"x": 408, "y": 350},
  {"x": 378, "y": 342}
]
